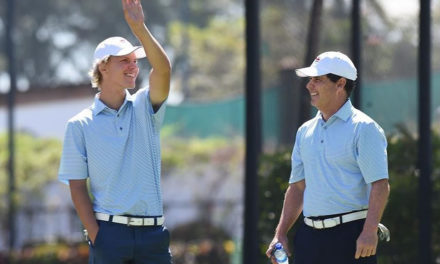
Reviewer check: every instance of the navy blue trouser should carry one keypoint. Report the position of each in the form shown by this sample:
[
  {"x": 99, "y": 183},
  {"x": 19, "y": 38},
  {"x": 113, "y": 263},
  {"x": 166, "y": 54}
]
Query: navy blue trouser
[
  {"x": 336, "y": 245},
  {"x": 122, "y": 244}
]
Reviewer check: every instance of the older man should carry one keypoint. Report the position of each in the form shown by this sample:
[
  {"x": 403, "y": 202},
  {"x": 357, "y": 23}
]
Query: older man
[{"x": 339, "y": 177}]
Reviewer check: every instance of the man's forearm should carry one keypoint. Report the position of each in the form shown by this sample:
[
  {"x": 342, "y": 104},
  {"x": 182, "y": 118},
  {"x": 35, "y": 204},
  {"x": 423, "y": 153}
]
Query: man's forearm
[
  {"x": 292, "y": 207},
  {"x": 155, "y": 53},
  {"x": 378, "y": 198},
  {"x": 83, "y": 206},
  {"x": 160, "y": 74}
]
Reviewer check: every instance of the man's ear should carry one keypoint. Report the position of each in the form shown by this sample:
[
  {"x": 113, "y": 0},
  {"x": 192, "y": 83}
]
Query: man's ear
[
  {"x": 102, "y": 67},
  {"x": 341, "y": 82}
]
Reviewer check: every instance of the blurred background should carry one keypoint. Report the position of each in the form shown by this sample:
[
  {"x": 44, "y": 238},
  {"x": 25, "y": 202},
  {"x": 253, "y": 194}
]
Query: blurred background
[{"x": 203, "y": 138}]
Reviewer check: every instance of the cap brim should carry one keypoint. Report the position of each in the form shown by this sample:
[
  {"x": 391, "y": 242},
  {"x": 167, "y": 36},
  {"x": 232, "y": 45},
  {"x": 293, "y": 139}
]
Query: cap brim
[
  {"x": 138, "y": 51},
  {"x": 309, "y": 72}
]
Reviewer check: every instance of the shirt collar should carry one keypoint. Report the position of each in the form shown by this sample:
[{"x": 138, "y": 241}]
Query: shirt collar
[
  {"x": 343, "y": 113},
  {"x": 98, "y": 106}
]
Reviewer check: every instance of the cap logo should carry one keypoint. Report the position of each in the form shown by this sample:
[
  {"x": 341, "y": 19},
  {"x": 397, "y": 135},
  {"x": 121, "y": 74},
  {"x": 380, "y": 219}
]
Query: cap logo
[{"x": 317, "y": 59}]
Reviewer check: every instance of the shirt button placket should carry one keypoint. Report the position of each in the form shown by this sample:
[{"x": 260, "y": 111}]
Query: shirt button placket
[
  {"x": 323, "y": 130},
  {"x": 118, "y": 123}
]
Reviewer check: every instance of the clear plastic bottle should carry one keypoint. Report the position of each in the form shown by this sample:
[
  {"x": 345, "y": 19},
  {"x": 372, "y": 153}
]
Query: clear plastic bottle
[{"x": 280, "y": 254}]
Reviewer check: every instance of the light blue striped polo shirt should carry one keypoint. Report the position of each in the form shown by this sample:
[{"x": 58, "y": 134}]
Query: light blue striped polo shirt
[
  {"x": 120, "y": 152},
  {"x": 339, "y": 159}
]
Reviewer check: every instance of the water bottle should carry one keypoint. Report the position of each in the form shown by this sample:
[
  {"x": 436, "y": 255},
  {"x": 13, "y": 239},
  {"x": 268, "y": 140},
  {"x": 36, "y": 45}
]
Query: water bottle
[{"x": 280, "y": 254}]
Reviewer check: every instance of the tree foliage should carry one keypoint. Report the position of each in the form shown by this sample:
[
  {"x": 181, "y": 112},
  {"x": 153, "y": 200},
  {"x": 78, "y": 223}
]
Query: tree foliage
[
  {"x": 389, "y": 44},
  {"x": 55, "y": 40},
  {"x": 36, "y": 163},
  {"x": 273, "y": 176},
  {"x": 209, "y": 61},
  {"x": 402, "y": 213}
]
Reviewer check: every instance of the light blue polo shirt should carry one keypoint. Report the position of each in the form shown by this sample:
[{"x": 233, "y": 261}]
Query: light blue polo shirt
[
  {"x": 120, "y": 152},
  {"x": 339, "y": 159}
]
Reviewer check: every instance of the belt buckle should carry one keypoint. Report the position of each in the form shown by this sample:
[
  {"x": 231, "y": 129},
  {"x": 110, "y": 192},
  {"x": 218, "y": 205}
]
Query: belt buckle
[
  {"x": 149, "y": 221},
  {"x": 318, "y": 224},
  {"x": 135, "y": 221},
  {"x": 331, "y": 222}
]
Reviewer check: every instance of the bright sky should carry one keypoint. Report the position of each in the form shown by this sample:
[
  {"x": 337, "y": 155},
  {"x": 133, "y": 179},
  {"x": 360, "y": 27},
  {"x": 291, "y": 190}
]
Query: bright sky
[{"x": 399, "y": 8}]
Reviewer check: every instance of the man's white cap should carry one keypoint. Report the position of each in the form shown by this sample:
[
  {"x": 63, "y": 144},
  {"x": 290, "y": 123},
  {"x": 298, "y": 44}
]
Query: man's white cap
[
  {"x": 330, "y": 62},
  {"x": 117, "y": 46}
]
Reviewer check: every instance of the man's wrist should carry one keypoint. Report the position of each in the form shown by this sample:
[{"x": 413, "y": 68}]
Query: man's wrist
[
  {"x": 370, "y": 228},
  {"x": 280, "y": 232},
  {"x": 138, "y": 28}
]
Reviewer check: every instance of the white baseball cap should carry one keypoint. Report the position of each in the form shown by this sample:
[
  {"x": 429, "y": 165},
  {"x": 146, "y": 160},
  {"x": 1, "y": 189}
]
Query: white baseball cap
[
  {"x": 333, "y": 62},
  {"x": 117, "y": 46}
]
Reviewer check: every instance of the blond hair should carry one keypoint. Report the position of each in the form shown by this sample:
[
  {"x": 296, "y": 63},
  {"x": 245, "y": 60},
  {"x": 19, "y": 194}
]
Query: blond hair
[{"x": 95, "y": 74}]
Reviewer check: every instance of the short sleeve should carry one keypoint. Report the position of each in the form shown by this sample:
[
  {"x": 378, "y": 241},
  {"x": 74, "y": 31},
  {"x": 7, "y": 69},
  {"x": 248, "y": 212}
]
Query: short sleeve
[
  {"x": 143, "y": 97},
  {"x": 159, "y": 115},
  {"x": 297, "y": 172},
  {"x": 73, "y": 165},
  {"x": 371, "y": 153}
]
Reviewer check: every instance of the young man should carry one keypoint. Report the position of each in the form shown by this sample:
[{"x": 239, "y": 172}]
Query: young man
[
  {"x": 115, "y": 144},
  {"x": 339, "y": 177}
]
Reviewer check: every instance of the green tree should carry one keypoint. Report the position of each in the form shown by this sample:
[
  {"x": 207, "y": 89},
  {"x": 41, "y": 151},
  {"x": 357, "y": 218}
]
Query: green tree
[
  {"x": 401, "y": 215},
  {"x": 36, "y": 163},
  {"x": 54, "y": 40},
  {"x": 209, "y": 61},
  {"x": 273, "y": 178},
  {"x": 389, "y": 44}
]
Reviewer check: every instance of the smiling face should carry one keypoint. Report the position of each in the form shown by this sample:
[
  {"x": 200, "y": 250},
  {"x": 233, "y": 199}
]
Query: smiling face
[
  {"x": 326, "y": 95},
  {"x": 120, "y": 71}
]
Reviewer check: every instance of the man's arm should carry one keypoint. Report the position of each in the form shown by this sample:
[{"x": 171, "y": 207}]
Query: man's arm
[
  {"x": 292, "y": 208},
  {"x": 161, "y": 67},
  {"x": 83, "y": 206},
  {"x": 366, "y": 244}
]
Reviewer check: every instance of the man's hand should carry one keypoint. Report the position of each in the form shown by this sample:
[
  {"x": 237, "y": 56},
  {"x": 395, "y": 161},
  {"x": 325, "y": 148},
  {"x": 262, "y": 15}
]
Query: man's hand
[
  {"x": 83, "y": 206},
  {"x": 133, "y": 13},
  {"x": 92, "y": 234},
  {"x": 277, "y": 239},
  {"x": 366, "y": 244}
]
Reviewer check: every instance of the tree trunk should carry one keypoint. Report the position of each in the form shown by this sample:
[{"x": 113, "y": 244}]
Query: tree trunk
[{"x": 311, "y": 52}]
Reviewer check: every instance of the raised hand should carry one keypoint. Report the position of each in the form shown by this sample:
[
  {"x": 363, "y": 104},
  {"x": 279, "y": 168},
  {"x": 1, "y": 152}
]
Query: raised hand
[
  {"x": 133, "y": 13},
  {"x": 160, "y": 73}
]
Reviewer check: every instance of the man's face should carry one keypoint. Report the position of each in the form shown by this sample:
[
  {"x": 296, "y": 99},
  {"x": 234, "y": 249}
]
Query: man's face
[
  {"x": 324, "y": 93},
  {"x": 122, "y": 71}
]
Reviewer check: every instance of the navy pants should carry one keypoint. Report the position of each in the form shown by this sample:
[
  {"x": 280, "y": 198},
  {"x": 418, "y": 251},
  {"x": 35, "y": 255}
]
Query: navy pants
[
  {"x": 336, "y": 245},
  {"x": 121, "y": 244}
]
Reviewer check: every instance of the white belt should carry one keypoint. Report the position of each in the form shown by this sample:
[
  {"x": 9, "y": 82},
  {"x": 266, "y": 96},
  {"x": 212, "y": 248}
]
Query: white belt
[
  {"x": 334, "y": 221},
  {"x": 131, "y": 221}
]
